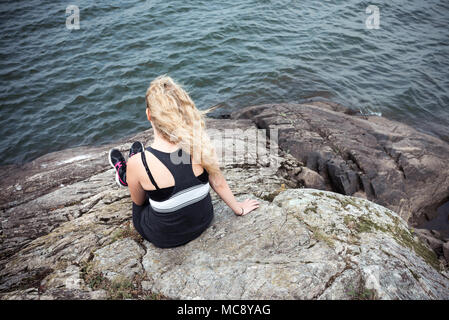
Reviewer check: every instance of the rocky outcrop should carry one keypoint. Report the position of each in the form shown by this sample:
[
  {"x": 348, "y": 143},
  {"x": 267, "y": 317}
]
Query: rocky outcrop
[
  {"x": 434, "y": 240},
  {"x": 446, "y": 250},
  {"x": 66, "y": 233},
  {"x": 366, "y": 156},
  {"x": 44, "y": 193},
  {"x": 306, "y": 244},
  {"x": 64, "y": 206}
]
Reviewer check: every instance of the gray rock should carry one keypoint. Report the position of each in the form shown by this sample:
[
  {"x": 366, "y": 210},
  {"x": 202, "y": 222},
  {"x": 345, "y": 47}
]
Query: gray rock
[
  {"x": 429, "y": 238},
  {"x": 311, "y": 179},
  {"x": 50, "y": 234},
  {"x": 436, "y": 234},
  {"x": 65, "y": 235},
  {"x": 55, "y": 294},
  {"x": 446, "y": 251},
  {"x": 64, "y": 185},
  {"x": 423, "y": 233},
  {"x": 146, "y": 285},
  {"x": 121, "y": 259},
  {"x": 69, "y": 278},
  {"x": 306, "y": 244},
  {"x": 387, "y": 162}
]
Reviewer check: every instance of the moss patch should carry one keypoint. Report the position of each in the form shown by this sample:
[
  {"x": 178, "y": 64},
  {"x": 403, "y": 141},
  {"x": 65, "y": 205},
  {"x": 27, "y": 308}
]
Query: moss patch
[
  {"x": 344, "y": 203},
  {"x": 270, "y": 197},
  {"x": 119, "y": 288},
  {"x": 406, "y": 239},
  {"x": 311, "y": 209},
  {"x": 362, "y": 293},
  {"x": 363, "y": 224},
  {"x": 127, "y": 231},
  {"x": 319, "y": 235}
]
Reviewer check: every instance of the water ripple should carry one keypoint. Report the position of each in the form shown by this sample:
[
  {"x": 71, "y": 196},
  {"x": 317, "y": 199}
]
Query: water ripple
[{"x": 62, "y": 88}]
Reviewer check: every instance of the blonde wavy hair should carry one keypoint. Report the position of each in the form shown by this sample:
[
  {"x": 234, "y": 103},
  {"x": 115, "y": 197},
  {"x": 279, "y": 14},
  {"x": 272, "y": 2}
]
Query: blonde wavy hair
[{"x": 176, "y": 118}]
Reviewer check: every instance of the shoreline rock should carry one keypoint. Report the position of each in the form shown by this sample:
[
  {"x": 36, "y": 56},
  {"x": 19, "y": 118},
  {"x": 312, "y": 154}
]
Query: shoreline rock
[
  {"x": 372, "y": 157},
  {"x": 66, "y": 234}
]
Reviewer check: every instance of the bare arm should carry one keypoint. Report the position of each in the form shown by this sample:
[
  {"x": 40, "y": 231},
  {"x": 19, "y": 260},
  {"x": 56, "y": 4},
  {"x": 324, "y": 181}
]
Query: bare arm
[
  {"x": 135, "y": 189},
  {"x": 221, "y": 187}
]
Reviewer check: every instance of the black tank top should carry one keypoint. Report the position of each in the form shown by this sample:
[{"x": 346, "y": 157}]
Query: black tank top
[{"x": 175, "y": 215}]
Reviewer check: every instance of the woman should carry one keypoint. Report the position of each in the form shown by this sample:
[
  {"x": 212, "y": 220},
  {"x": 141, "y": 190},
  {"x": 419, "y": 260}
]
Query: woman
[{"x": 169, "y": 182}]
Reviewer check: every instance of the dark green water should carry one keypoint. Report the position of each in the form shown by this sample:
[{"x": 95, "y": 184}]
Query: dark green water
[{"x": 62, "y": 88}]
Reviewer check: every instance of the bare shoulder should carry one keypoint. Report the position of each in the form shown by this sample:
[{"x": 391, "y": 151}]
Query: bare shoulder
[
  {"x": 134, "y": 161},
  {"x": 136, "y": 171}
]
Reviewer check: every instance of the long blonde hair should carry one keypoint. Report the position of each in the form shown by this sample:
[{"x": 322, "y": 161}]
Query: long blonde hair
[{"x": 176, "y": 118}]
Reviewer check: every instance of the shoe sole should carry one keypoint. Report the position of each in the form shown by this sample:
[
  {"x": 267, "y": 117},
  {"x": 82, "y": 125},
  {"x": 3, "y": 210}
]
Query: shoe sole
[{"x": 117, "y": 180}]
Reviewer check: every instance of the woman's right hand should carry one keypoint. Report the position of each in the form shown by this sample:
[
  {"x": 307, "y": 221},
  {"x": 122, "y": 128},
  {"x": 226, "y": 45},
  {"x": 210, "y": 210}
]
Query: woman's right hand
[
  {"x": 221, "y": 187},
  {"x": 246, "y": 207}
]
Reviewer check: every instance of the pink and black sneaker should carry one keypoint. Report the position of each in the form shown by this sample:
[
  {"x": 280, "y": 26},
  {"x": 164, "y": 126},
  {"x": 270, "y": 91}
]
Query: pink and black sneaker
[
  {"x": 118, "y": 162},
  {"x": 136, "y": 148}
]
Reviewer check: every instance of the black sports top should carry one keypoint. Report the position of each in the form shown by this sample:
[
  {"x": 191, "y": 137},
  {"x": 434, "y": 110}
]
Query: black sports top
[{"x": 175, "y": 215}]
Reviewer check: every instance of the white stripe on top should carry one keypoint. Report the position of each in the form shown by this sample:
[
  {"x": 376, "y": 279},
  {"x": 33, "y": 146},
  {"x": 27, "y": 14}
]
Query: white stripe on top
[{"x": 181, "y": 199}]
